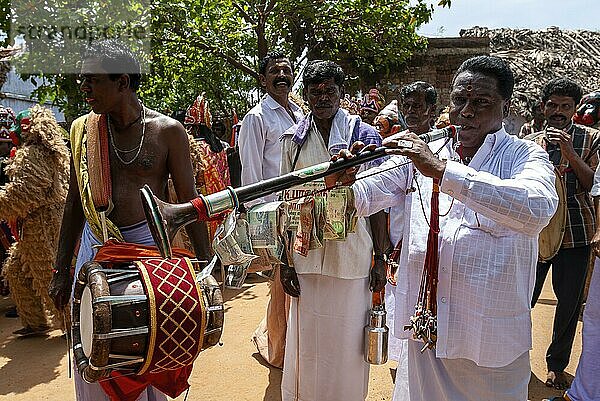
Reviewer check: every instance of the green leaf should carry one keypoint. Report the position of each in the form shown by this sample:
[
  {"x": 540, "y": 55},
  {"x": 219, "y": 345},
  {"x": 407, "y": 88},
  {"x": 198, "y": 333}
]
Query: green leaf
[{"x": 214, "y": 46}]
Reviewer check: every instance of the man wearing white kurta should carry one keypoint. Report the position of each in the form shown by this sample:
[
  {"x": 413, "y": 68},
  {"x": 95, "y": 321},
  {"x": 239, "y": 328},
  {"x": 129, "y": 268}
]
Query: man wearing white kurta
[
  {"x": 324, "y": 358},
  {"x": 496, "y": 194},
  {"x": 586, "y": 386},
  {"x": 260, "y": 149},
  {"x": 418, "y": 105},
  {"x": 260, "y": 155}
]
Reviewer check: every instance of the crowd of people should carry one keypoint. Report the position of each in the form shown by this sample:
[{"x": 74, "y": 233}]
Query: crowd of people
[
  {"x": 503, "y": 195},
  {"x": 468, "y": 208}
]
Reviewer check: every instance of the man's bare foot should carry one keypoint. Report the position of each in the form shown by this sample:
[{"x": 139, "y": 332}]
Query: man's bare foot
[
  {"x": 31, "y": 331},
  {"x": 558, "y": 380}
]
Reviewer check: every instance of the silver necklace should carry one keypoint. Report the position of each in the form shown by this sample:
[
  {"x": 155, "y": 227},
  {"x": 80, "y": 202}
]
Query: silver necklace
[{"x": 137, "y": 149}]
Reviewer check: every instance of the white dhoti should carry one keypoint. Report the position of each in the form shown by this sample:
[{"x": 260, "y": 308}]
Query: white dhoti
[
  {"x": 430, "y": 378},
  {"x": 394, "y": 343},
  {"x": 137, "y": 234},
  {"x": 324, "y": 353},
  {"x": 586, "y": 385}
]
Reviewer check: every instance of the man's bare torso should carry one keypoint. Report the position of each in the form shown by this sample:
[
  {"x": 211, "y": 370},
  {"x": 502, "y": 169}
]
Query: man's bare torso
[{"x": 150, "y": 167}]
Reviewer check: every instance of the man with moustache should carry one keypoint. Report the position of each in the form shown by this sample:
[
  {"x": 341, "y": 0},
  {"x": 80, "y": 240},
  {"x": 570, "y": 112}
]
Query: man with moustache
[
  {"x": 260, "y": 155},
  {"x": 260, "y": 150},
  {"x": 324, "y": 358},
  {"x": 496, "y": 194},
  {"x": 144, "y": 147},
  {"x": 573, "y": 149},
  {"x": 418, "y": 106}
]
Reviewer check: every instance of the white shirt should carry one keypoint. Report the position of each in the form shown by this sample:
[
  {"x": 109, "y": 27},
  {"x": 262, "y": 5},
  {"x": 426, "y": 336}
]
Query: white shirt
[
  {"x": 396, "y": 224},
  {"x": 488, "y": 243},
  {"x": 260, "y": 149},
  {"x": 595, "y": 191}
]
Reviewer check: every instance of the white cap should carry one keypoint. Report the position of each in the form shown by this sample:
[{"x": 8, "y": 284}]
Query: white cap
[{"x": 390, "y": 111}]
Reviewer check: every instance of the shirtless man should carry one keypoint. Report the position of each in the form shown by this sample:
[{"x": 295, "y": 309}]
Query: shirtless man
[{"x": 145, "y": 147}]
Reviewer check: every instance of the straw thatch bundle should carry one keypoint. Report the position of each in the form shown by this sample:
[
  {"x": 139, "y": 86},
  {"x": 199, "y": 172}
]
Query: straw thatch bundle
[{"x": 538, "y": 56}]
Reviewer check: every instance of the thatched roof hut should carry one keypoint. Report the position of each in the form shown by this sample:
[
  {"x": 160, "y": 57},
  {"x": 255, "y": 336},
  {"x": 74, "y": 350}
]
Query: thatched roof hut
[{"x": 536, "y": 57}]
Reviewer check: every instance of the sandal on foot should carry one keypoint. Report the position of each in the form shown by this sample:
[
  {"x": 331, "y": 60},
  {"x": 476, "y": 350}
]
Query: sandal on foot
[
  {"x": 561, "y": 381},
  {"x": 557, "y": 380},
  {"x": 550, "y": 376}
]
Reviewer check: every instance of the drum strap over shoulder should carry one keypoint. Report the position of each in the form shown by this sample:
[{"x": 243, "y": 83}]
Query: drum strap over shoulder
[
  {"x": 98, "y": 161},
  {"x": 79, "y": 143}
]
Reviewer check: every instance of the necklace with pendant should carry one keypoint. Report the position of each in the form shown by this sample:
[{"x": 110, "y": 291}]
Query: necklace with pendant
[{"x": 138, "y": 148}]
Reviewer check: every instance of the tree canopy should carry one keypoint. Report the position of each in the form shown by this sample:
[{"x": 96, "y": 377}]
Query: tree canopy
[{"x": 214, "y": 46}]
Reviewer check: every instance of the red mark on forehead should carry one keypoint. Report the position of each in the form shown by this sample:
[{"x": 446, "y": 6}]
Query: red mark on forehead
[{"x": 322, "y": 86}]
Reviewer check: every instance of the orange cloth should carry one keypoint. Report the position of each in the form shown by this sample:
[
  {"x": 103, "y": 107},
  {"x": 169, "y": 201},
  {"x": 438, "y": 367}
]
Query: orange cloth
[
  {"x": 119, "y": 252},
  {"x": 212, "y": 177}
]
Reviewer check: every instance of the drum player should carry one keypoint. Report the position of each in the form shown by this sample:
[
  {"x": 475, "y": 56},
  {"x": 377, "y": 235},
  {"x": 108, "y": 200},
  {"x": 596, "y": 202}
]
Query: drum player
[
  {"x": 145, "y": 147},
  {"x": 573, "y": 149}
]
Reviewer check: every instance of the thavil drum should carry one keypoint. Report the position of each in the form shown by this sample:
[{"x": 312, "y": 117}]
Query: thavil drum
[{"x": 144, "y": 316}]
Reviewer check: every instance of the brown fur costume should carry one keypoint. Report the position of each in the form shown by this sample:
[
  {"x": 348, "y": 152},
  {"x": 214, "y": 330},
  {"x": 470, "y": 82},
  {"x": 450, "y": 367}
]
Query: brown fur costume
[{"x": 36, "y": 193}]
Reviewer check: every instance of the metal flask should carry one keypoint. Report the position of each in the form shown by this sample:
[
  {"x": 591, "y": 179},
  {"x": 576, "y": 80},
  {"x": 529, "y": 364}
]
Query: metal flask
[{"x": 376, "y": 337}]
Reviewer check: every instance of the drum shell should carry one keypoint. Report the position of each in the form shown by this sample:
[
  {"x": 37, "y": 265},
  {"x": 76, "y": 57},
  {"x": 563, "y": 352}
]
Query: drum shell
[
  {"x": 128, "y": 312},
  {"x": 108, "y": 318},
  {"x": 129, "y": 316},
  {"x": 211, "y": 291}
]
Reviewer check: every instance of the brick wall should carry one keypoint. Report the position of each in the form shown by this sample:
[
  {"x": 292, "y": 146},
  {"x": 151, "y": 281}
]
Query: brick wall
[{"x": 435, "y": 65}]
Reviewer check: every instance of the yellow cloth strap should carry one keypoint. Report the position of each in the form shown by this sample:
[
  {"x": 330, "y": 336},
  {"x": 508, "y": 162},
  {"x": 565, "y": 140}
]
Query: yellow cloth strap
[{"x": 79, "y": 151}]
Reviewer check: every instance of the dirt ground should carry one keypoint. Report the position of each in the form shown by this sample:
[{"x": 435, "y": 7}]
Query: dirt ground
[{"x": 35, "y": 369}]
